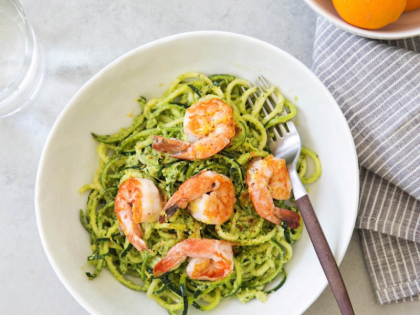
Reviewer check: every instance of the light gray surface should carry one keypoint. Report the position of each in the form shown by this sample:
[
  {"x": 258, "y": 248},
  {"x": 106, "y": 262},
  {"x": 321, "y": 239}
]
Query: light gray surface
[{"x": 80, "y": 38}]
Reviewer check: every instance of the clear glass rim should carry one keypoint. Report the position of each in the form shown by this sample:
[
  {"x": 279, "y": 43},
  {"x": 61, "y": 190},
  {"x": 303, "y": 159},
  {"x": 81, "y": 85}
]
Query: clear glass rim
[
  {"x": 25, "y": 86},
  {"x": 29, "y": 53}
]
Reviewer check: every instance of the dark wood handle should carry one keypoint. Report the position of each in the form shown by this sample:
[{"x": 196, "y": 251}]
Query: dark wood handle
[{"x": 325, "y": 255}]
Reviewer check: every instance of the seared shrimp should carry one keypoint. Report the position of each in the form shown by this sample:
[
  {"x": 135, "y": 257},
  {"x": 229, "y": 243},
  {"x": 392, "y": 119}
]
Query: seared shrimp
[
  {"x": 213, "y": 208},
  {"x": 137, "y": 201},
  {"x": 210, "y": 122},
  {"x": 210, "y": 259},
  {"x": 268, "y": 179}
]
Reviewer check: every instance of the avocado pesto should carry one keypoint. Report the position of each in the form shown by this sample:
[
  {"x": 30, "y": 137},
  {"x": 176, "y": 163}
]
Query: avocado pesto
[{"x": 260, "y": 248}]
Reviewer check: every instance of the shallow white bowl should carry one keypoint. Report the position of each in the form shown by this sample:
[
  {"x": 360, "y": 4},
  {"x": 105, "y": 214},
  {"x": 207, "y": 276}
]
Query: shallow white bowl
[
  {"x": 408, "y": 25},
  {"x": 69, "y": 161}
]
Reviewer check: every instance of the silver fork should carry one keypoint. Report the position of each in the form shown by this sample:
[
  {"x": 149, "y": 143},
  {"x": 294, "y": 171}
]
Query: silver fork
[{"x": 287, "y": 145}]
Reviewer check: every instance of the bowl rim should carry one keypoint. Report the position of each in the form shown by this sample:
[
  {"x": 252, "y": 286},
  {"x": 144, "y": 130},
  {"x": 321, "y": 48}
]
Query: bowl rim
[
  {"x": 79, "y": 297},
  {"x": 372, "y": 34}
]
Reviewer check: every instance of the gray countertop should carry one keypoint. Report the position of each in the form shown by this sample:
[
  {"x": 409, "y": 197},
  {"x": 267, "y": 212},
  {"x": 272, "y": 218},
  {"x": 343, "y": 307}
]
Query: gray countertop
[{"x": 80, "y": 38}]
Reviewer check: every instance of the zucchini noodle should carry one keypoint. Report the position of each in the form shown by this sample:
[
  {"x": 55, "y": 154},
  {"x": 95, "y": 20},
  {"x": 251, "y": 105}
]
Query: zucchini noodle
[{"x": 261, "y": 248}]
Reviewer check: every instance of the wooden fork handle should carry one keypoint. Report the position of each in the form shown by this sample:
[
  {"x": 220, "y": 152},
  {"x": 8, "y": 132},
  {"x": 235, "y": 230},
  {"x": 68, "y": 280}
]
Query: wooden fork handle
[{"x": 325, "y": 255}]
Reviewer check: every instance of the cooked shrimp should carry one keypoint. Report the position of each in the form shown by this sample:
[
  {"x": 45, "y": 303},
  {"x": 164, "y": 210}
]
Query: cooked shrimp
[
  {"x": 268, "y": 179},
  {"x": 208, "y": 122},
  {"x": 210, "y": 198},
  {"x": 210, "y": 259},
  {"x": 137, "y": 201}
]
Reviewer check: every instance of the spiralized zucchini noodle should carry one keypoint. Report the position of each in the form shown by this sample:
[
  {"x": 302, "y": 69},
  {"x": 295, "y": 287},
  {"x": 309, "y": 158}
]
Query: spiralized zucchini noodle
[{"x": 261, "y": 248}]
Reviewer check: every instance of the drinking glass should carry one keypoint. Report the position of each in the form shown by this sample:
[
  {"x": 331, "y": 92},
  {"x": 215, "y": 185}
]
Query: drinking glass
[{"x": 21, "y": 66}]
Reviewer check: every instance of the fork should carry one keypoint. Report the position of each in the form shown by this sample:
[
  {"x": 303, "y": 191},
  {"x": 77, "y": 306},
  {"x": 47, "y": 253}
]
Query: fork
[{"x": 287, "y": 145}]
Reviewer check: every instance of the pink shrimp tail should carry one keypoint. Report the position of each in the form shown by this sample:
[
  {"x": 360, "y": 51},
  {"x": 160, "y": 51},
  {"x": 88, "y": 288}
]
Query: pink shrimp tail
[
  {"x": 172, "y": 206},
  {"x": 167, "y": 264},
  {"x": 137, "y": 242},
  {"x": 204, "y": 148},
  {"x": 291, "y": 218},
  {"x": 170, "y": 146}
]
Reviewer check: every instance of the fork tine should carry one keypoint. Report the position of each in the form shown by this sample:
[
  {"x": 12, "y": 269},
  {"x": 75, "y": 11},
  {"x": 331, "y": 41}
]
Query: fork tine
[
  {"x": 274, "y": 128},
  {"x": 273, "y": 96},
  {"x": 264, "y": 81},
  {"x": 266, "y": 102},
  {"x": 277, "y": 134},
  {"x": 283, "y": 129},
  {"x": 257, "y": 83},
  {"x": 256, "y": 96},
  {"x": 280, "y": 130},
  {"x": 289, "y": 124},
  {"x": 249, "y": 99}
]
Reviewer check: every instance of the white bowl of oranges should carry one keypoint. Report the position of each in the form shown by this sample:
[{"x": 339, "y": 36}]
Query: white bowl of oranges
[{"x": 379, "y": 19}]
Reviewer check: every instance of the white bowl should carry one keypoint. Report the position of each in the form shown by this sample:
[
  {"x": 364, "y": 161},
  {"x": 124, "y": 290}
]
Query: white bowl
[
  {"x": 408, "y": 25},
  {"x": 69, "y": 161}
]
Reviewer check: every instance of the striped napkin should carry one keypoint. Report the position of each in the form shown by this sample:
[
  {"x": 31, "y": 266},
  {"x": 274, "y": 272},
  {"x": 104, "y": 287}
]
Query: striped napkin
[{"x": 377, "y": 86}]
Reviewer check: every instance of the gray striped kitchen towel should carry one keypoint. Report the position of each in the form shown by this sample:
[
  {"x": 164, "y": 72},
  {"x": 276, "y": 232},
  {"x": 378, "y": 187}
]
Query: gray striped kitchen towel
[{"x": 377, "y": 86}]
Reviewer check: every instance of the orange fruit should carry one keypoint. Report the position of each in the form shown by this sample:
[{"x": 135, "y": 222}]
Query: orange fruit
[
  {"x": 412, "y": 5},
  {"x": 370, "y": 14}
]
